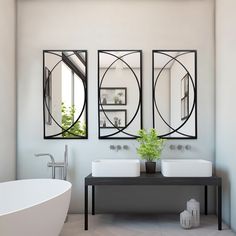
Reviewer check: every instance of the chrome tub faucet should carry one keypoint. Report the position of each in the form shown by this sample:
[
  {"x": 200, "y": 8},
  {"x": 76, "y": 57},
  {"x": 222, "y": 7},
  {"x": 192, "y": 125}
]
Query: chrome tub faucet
[{"x": 61, "y": 165}]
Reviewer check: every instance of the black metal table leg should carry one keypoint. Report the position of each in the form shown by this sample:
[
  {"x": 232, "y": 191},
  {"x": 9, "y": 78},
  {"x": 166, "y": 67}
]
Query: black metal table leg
[
  {"x": 93, "y": 200},
  {"x": 206, "y": 200},
  {"x": 86, "y": 207},
  {"x": 219, "y": 207}
]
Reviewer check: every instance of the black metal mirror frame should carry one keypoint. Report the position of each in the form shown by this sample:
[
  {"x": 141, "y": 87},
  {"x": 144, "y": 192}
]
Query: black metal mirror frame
[
  {"x": 194, "y": 84},
  {"x": 139, "y": 82},
  {"x": 45, "y": 106}
]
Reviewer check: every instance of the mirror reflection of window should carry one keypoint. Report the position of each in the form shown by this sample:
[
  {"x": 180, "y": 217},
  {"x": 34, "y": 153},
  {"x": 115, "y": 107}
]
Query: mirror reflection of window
[
  {"x": 69, "y": 94},
  {"x": 174, "y": 93},
  {"x": 67, "y": 86}
]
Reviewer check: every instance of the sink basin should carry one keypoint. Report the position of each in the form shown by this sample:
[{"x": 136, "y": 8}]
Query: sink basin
[
  {"x": 116, "y": 168},
  {"x": 186, "y": 168}
]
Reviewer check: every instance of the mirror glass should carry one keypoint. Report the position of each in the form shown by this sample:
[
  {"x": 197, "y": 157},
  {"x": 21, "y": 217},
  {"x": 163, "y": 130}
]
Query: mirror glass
[
  {"x": 119, "y": 93},
  {"x": 174, "y": 93},
  {"x": 65, "y": 94}
]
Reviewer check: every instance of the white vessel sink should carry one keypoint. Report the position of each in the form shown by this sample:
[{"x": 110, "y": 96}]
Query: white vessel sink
[
  {"x": 116, "y": 168},
  {"x": 186, "y": 168}
]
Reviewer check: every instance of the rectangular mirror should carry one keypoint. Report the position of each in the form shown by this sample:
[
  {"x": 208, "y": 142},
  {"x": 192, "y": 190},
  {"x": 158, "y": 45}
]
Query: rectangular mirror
[
  {"x": 119, "y": 93},
  {"x": 65, "y": 94},
  {"x": 175, "y": 93}
]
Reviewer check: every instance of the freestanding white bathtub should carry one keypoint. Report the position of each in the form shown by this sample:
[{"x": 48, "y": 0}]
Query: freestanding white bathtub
[{"x": 33, "y": 207}]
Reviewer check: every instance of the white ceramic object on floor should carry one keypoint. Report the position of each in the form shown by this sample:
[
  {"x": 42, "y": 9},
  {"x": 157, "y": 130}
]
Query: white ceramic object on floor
[
  {"x": 116, "y": 168},
  {"x": 33, "y": 207},
  {"x": 186, "y": 220},
  {"x": 193, "y": 208},
  {"x": 186, "y": 168}
]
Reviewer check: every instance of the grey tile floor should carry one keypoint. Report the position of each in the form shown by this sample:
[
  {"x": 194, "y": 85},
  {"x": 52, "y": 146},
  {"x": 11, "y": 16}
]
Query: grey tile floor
[{"x": 137, "y": 225}]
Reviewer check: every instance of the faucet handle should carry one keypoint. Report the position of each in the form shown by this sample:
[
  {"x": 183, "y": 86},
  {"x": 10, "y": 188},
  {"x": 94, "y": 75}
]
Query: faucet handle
[
  {"x": 112, "y": 147},
  {"x": 118, "y": 147},
  {"x": 188, "y": 147}
]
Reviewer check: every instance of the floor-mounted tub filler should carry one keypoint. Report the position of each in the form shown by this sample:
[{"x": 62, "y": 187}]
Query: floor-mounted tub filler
[{"x": 33, "y": 207}]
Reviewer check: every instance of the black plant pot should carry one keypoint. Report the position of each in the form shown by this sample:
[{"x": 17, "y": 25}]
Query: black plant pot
[{"x": 150, "y": 167}]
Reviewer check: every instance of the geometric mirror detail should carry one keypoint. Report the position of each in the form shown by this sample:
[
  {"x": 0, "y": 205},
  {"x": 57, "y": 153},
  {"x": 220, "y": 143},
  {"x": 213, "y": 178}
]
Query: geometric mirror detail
[
  {"x": 65, "y": 94},
  {"x": 119, "y": 93},
  {"x": 174, "y": 82}
]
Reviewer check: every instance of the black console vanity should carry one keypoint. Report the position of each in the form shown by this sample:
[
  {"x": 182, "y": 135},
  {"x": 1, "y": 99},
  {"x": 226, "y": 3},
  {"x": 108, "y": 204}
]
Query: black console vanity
[{"x": 154, "y": 179}]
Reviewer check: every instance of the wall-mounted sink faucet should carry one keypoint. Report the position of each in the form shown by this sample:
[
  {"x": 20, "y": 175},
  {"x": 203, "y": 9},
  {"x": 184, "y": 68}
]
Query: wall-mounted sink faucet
[
  {"x": 119, "y": 147},
  {"x": 62, "y": 165},
  {"x": 180, "y": 147}
]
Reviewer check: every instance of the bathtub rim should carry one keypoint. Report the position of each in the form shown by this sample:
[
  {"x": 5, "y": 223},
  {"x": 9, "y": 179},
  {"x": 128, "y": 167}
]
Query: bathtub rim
[{"x": 41, "y": 202}]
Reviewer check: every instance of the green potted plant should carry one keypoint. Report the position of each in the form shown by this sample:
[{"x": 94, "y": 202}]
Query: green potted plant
[{"x": 150, "y": 148}]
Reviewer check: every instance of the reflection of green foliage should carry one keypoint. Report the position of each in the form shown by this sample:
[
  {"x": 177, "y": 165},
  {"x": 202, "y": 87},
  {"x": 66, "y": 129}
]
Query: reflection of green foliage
[
  {"x": 151, "y": 145},
  {"x": 78, "y": 128}
]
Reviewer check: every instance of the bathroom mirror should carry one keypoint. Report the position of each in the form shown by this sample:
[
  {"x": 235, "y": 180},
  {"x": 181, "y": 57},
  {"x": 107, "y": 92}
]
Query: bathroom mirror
[
  {"x": 119, "y": 93},
  {"x": 175, "y": 93},
  {"x": 65, "y": 94}
]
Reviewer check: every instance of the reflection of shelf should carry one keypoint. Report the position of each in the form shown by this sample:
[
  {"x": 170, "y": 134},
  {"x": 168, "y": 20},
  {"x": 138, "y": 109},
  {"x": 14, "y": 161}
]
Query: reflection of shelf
[{"x": 109, "y": 121}]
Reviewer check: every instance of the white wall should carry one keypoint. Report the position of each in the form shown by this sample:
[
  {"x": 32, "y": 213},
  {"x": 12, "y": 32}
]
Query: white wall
[
  {"x": 92, "y": 25},
  {"x": 7, "y": 91},
  {"x": 225, "y": 107}
]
